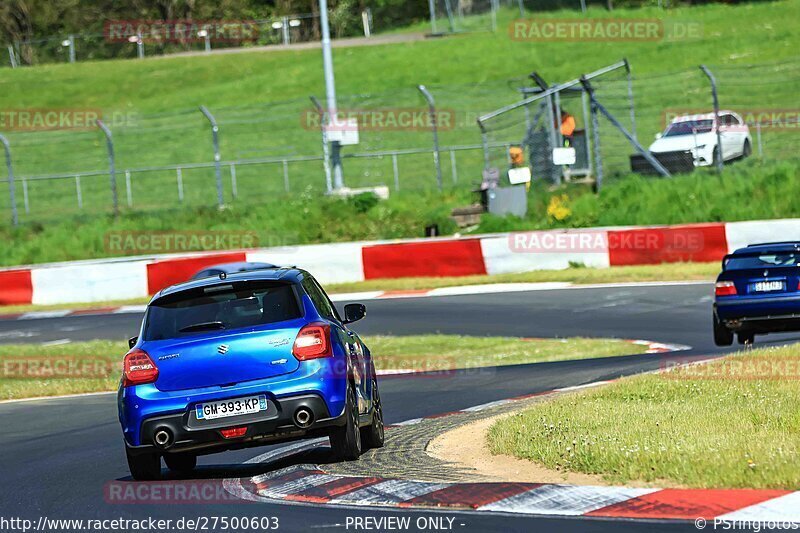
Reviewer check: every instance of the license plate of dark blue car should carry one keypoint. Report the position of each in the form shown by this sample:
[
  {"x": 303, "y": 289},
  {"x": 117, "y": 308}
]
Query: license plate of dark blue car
[
  {"x": 766, "y": 286},
  {"x": 233, "y": 407}
]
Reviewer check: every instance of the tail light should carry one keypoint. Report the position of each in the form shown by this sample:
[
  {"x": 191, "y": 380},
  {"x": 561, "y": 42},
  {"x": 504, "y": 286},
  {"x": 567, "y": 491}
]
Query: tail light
[
  {"x": 138, "y": 368},
  {"x": 725, "y": 288},
  {"x": 233, "y": 433},
  {"x": 313, "y": 342}
]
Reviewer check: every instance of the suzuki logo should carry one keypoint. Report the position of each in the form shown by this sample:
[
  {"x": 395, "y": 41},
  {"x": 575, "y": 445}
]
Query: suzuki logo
[{"x": 222, "y": 349}]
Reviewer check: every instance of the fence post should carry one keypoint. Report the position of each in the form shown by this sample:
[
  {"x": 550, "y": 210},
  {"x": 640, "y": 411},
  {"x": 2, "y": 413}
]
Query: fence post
[
  {"x": 758, "y": 136},
  {"x": 128, "y": 188},
  {"x": 286, "y": 175},
  {"x": 396, "y": 172},
  {"x": 179, "y": 173},
  {"x": 453, "y": 165},
  {"x": 285, "y": 30},
  {"x": 713, "y": 81},
  {"x": 598, "y": 160},
  {"x": 589, "y": 126},
  {"x": 326, "y": 163},
  {"x": 521, "y": 8},
  {"x": 139, "y": 45},
  {"x": 112, "y": 172},
  {"x": 71, "y": 48},
  {"x": 630, "y": 99},
  {"x": 432, "y": 112},
  {"x": 12, "y": 57},
  {"x": 217, "y": 158},
  {"x": 485, "y": 143},
  {"x": 365, "y": 21},
  {"x": 25, "y": 196},
  {"x": 234, "y": 185},
  {"x": 11, "y": 187},
  {"x": 78, "y": 191}
]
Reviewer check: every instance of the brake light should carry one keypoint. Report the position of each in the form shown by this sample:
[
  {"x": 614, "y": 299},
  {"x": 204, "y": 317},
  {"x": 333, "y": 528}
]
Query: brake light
[
  {"x": 725, "y": 288},
  {"x": 313, "y": 342},
  {"x": 232, "y": 433},
  {"x": 138, "y": 368}
]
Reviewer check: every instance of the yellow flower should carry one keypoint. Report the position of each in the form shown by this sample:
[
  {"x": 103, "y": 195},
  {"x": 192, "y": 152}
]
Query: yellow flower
[{"x": 558, "y": 208}]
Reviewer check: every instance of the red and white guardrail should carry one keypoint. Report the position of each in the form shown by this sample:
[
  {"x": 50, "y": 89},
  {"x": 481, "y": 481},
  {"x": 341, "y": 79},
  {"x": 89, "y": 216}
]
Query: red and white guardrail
[{"x": 136, "y": 277}]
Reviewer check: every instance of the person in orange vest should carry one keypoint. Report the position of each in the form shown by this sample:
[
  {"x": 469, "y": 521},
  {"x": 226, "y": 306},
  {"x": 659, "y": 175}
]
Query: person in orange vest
[{"x": 567, "y": 127}]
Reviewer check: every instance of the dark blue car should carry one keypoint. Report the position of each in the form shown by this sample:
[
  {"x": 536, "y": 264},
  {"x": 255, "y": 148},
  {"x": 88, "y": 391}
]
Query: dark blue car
[
  {"x": 757, "y": 292},
  {"x": 244, "y": 360}
]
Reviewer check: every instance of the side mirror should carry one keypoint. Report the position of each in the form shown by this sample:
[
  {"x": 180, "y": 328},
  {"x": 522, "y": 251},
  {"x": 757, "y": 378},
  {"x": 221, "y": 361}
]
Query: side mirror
[
  {"x": 354, "y": 312},
  {"x": 132, "y": 342},
  {"x": 658, "y": 135}
]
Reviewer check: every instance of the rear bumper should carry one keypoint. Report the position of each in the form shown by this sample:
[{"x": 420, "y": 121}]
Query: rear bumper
[
  {"x": 191, "y": 435},
  {"x": 323, "y": 380},
  {"x": 760, "y": 314}
]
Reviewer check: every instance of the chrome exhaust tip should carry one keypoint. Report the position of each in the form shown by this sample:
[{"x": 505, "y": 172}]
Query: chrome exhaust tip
[
  {"x": 303, "y": 417},
  {"x": 163, "y": 438}
]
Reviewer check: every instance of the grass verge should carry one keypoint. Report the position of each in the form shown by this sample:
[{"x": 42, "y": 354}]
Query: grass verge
[
  {"x": 733, "y": 423},
  {"x": 578, "y": 275},
  {"x": 31, "y": 370}
]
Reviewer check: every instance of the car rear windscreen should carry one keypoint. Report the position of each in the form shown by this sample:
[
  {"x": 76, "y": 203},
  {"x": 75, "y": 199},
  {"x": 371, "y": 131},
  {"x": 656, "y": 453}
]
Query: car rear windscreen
[
  {"x": 220, "y": 308},
  {"x": 766, "y": 260}
]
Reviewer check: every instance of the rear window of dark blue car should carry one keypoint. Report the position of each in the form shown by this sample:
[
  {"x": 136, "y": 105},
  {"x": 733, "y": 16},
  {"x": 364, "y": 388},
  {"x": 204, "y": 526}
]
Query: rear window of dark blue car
[
  {"x": 220, "y": 308},
  {"x": 766, "y": 260}
]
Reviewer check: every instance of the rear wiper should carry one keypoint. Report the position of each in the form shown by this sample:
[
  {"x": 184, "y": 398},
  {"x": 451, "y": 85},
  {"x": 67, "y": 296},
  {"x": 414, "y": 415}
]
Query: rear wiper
[{"x": 203, "y": 325}]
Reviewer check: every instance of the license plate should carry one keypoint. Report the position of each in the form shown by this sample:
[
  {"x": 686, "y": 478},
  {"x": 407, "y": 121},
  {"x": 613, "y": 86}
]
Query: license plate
[
  {"x": 234, "y": 407},
  {"x": 767, "y": 286}
]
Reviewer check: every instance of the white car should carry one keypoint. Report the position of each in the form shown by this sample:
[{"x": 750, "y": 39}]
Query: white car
[{"x": 698, "y": 134}]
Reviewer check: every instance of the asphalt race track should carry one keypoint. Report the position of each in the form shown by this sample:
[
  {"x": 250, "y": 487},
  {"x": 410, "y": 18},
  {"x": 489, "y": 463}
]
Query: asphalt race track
[{"x": 56, "y": 456}]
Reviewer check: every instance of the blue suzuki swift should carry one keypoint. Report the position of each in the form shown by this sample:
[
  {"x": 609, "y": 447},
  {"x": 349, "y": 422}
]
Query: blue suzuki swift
[{"x": 244, "y": 360}]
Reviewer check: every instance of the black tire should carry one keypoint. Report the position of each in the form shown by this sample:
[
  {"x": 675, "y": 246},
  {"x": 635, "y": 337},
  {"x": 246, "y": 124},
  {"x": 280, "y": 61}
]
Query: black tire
[
  {"x": 144, "y": 467},
  {"x": 180, "y": 462},
  {"x": 746, "y": 149},
  {"x": 346, "y": 439},
  {"x": 372, "y": 436},
  {"x": 722, "y": 335},
  {"x": 716, "y": 157},
  {"x": 745, "y": 337}
]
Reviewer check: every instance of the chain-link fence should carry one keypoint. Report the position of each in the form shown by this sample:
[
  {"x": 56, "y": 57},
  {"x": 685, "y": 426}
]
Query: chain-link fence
[
  {"x": 170, "y": 159},
  {"x": 615, "y": 123},
  {"x": 621, "y": 123}
]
